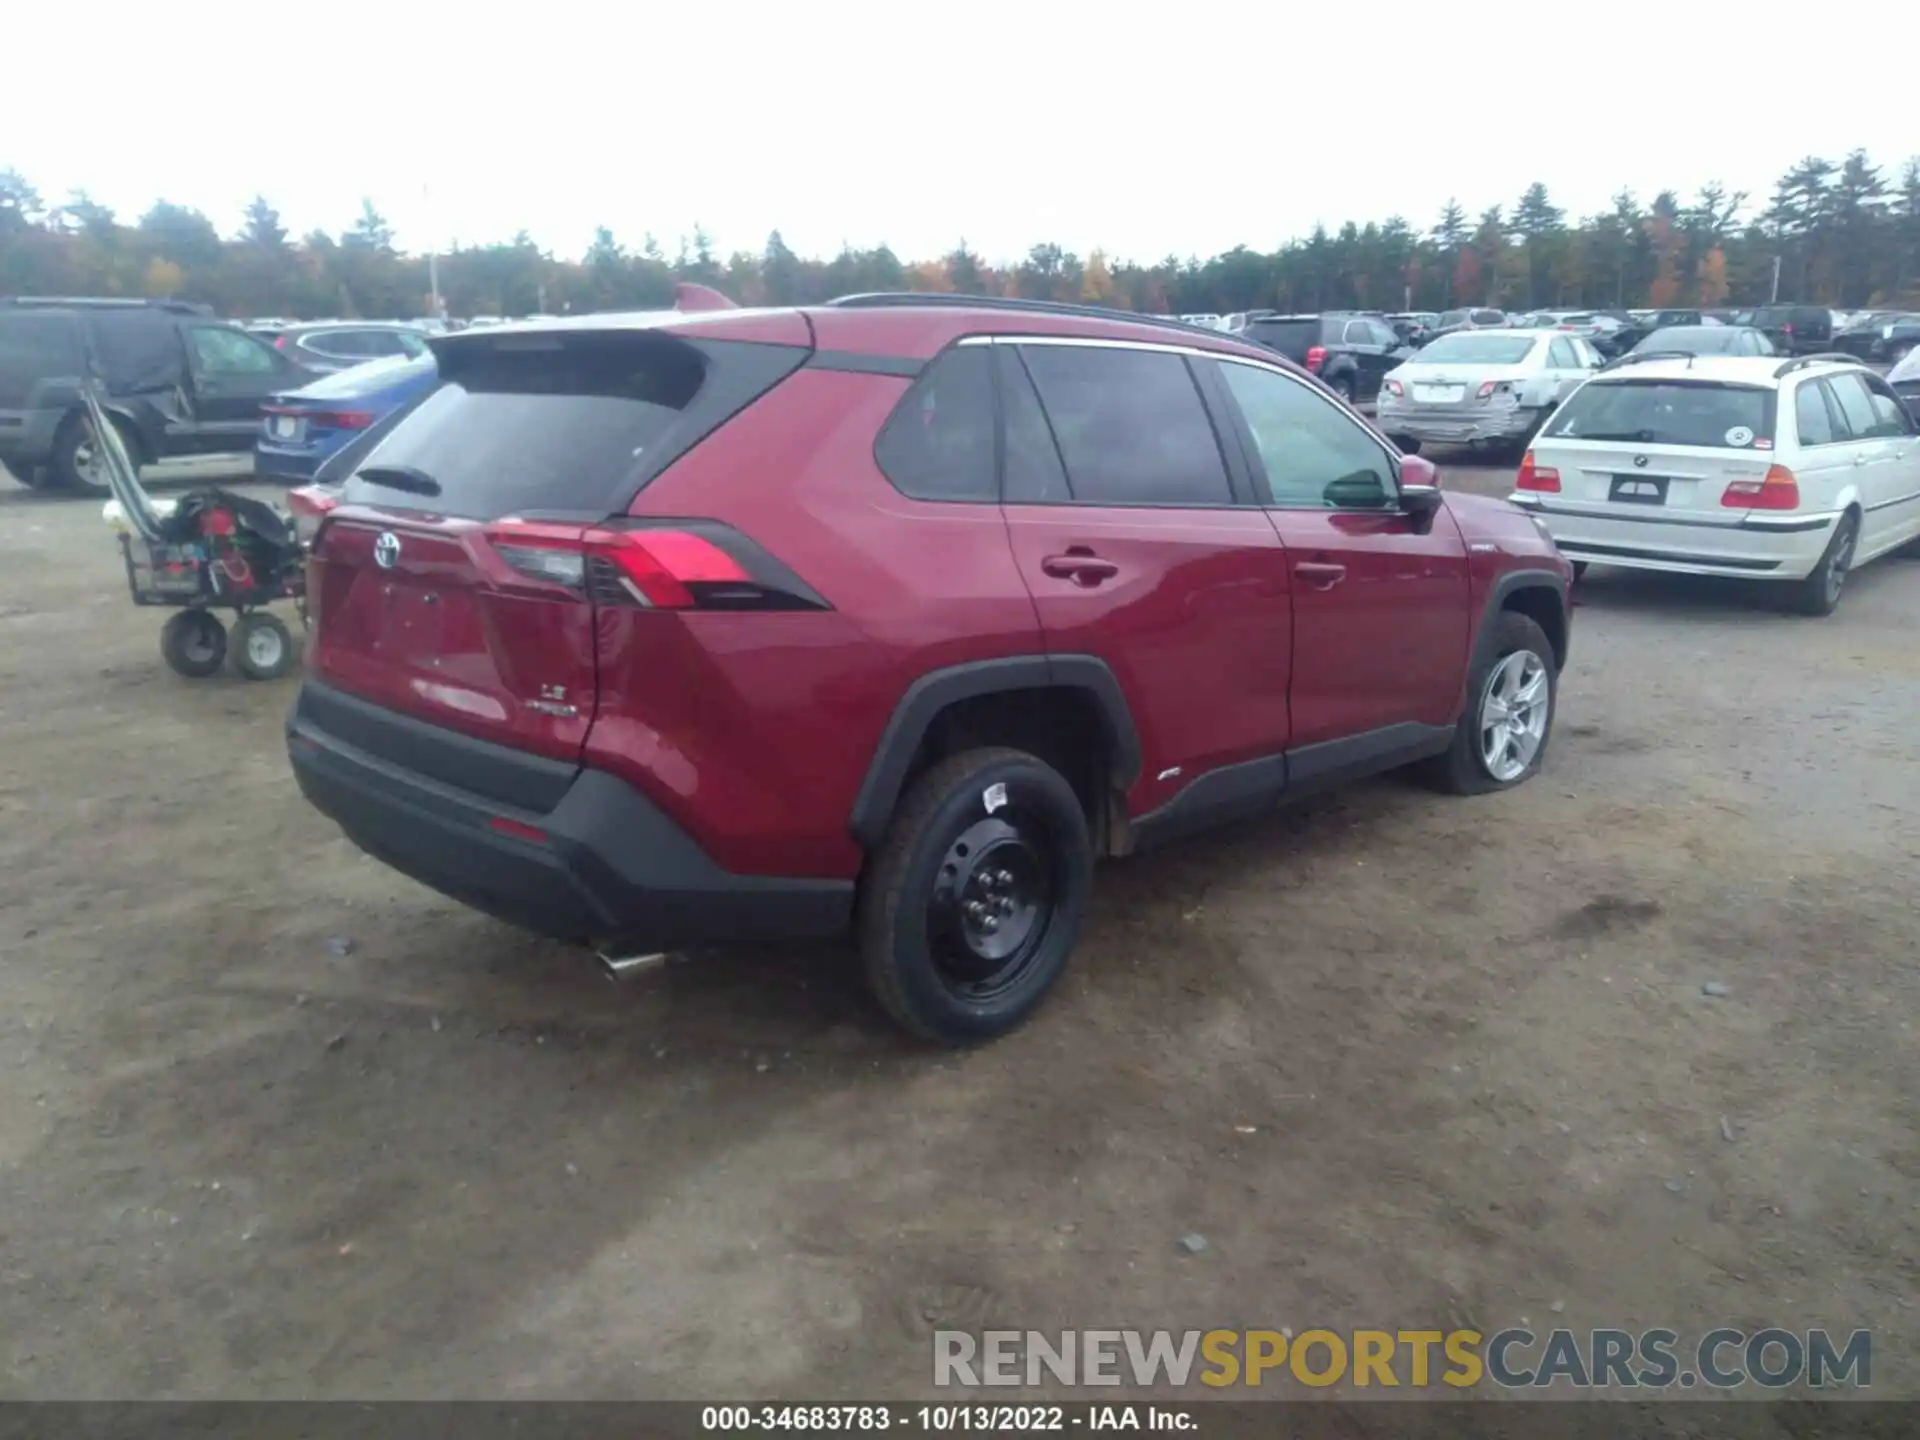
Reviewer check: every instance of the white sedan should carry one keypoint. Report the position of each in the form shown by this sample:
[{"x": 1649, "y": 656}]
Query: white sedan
[{"x": 1483, "y": 385}]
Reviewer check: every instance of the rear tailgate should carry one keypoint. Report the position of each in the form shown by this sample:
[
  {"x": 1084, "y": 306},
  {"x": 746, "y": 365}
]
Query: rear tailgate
[
  {"x": 452, "y": 584},
  {"x": 1659, "y": 449}
]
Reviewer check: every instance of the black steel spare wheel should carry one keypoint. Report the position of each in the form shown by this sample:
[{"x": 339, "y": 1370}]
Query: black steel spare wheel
[
  {"x": 991, "y": 905},
  {"x": 972, "y": 901}
]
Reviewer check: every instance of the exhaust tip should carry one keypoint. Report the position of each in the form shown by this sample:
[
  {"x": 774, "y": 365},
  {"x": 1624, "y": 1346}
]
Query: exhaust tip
[{"x": 627, "y": 967}]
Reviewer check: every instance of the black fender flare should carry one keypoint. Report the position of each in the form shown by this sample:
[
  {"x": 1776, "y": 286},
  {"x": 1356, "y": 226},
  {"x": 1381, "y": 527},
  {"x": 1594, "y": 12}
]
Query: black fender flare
[
  {"x": 138, "y": 427},
  {"x": 933, "y": 692},
  {"x": 1505, "y": 585}
]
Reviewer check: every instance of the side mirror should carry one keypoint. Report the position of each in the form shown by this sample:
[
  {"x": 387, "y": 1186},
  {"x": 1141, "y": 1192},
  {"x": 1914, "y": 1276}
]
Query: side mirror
[
  {"x": 1417, "y": 473},
  {"x": 1420, "y": 495}
]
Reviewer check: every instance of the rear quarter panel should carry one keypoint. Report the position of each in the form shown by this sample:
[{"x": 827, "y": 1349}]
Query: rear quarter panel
[{"x": 754, "y": 730}]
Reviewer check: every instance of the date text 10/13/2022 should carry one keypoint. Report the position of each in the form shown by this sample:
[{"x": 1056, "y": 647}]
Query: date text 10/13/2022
[{"x": 947, "y": 1419}]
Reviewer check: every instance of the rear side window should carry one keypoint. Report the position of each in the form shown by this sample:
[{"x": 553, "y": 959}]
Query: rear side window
[
  {"x": 1668, "y": 412},
  {"x": 1034, "y": 474},
  {"x": 938, "y": 443},
  {"x": 1856, "y": 411},
  {"x": 1560, "y": 355},
  {"x": 34, "y": 348},
  {"x": 563, "y": 426},
  {"x": 1131, "y": 426},
  {"x": 1810, "y": 418}
]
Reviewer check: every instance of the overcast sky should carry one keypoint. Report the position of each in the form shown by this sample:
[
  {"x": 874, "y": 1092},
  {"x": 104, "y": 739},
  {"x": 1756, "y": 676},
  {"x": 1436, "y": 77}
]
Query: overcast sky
[{"x": 1144, "y": 130}]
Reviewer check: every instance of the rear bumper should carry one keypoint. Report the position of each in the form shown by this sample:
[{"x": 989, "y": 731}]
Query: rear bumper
[
  {"x": 285, "y": 464},
  {"x": 1753, "y": 547},
  {"x": 1452, "y": 424},
  {"x": 611, "y": 868}
]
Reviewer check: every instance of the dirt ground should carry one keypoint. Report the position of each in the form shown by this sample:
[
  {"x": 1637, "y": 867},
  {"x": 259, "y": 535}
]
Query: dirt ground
[{"x": 1469, "y": 1036}]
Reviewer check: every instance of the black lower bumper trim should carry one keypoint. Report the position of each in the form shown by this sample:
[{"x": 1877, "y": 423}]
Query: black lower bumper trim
[
  {"x": 1580, "y": 550},
  {"x": 613, "y": 869}
]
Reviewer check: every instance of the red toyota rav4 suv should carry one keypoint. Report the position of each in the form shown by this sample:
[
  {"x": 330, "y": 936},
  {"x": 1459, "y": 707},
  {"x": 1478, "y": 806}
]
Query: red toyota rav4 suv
[{"x": 889, "y": 616}]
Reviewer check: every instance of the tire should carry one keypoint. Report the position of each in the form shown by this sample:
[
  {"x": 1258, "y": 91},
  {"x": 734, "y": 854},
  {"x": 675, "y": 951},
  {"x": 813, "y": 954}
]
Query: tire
[
  {"x": 263, "y": 648},
  {"x": 69, "y": 464},
  {"x": 1819, "y": 593},
  {"x": 928, "y": 958},
  {"x": 1464, "y": 768},
  {"x": 194, "y": 643}
]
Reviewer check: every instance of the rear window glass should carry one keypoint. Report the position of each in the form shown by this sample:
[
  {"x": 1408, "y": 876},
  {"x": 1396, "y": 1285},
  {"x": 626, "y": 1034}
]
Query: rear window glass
[
  {"x": 533, "y": 426},
  {"x": 1668, "y": 412},
  {"x": 1292, "y": 338},
  {"x": 1694, "y": 339},
  {"x": 1489, "y": 317},
  {"x": 1485, "y": 348}
]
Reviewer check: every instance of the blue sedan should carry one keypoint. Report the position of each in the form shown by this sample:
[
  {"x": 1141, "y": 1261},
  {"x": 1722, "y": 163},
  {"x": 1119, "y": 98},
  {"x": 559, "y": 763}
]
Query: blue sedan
[{"x": 301, "y": 428}]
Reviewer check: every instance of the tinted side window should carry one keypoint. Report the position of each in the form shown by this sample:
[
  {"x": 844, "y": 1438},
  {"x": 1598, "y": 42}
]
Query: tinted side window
[
  {"x": 1560, "y": 355},
  {"x": 1359, "y": 333},
  {"x": 1131, "y": 426},
  {"x": 1034, "y": 474},
  {"x": 1810, "y": 418},
  {"x": 1304, "y": 441},
  {"x": 1889, "y": 415},
  {"x": 938, "y": 443},
  {"x": 1856, "y": 411}
]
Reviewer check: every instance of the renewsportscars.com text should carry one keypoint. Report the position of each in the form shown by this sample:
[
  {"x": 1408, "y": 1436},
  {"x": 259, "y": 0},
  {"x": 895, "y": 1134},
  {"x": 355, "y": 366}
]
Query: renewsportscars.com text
[{"x": 1723, "y": 1359}]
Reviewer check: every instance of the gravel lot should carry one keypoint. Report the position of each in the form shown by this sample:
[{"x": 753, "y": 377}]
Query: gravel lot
[{"x": 1469, "y": 1039}]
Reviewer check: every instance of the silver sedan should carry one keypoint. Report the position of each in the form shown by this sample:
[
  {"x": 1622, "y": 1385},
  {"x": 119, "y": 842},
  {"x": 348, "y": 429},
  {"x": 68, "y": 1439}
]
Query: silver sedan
[{"x": 1487, "y": 385}]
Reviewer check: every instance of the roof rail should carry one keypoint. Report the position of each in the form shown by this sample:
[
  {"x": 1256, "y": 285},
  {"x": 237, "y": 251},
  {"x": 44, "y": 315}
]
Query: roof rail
[
  {"x": 880, "y": 300},
  {"x": 106, "y": 302},
  {"x": 1825, "y": 357}
]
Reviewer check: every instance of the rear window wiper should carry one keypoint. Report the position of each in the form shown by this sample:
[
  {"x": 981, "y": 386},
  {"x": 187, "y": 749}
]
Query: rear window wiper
[{"x": 399, "y": 477}]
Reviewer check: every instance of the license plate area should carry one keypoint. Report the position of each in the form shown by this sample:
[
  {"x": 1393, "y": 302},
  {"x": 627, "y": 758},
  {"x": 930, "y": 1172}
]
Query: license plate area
[
  {"x": 411, "y": 623},
  {"x": 285, "y": 427},
  {"x": 1439, "y": 394},
  {"x": 1639, "y": 489}
]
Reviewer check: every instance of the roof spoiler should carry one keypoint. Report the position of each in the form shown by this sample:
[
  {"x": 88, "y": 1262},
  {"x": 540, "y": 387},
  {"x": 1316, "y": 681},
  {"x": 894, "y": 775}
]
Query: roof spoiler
[{"x": 690, "y": 297}]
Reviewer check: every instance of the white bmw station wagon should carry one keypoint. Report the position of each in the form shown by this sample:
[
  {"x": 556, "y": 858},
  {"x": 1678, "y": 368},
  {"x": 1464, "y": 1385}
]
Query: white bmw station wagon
[{"x": 1793, "y": 471}]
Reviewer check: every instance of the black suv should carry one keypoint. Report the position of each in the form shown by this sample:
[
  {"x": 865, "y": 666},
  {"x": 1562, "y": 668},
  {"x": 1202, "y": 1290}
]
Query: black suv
[
  {"x": 1352, "y": 353},
  {"x": 1796, "y": 329},
  {"x": 179, "y": 381}
]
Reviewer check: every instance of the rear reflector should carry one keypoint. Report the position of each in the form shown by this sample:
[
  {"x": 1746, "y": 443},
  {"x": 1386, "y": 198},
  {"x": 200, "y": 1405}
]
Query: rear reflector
[
  {"x": 518, "y": 830},
  {"x": 1536, "y": 477},
  {"x": 1778, "y": 491},
  {"x": 676, "y": 565}
]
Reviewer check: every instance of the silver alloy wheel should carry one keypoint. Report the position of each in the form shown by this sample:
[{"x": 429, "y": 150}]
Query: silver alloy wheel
[
  {"x": 1513, "y": 715},
  {"x": 1840, "y": 562},
  {"x": 91, "y": 465},
  {"x": 264, "y": 647}
]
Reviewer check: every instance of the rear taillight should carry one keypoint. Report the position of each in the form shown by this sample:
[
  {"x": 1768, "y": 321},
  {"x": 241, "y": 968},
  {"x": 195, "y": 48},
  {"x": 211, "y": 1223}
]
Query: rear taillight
[
  {"x": 279, "y": 342},
  {"x": 310, "y": 505},
  {"x": 673, "y": 565},
  {"x": 341, "y": 419},
  {"x": 1778, "y": 491},
  {"x": 1536, "y": 477},
  {"x": 1316, "y": 357},
  {"x": 1488, "y": 387},
  {"x": 1394, "y": 389}
]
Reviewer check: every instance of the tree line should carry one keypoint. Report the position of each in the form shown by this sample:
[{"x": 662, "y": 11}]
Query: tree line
[{"x": 1845, "y": 234}]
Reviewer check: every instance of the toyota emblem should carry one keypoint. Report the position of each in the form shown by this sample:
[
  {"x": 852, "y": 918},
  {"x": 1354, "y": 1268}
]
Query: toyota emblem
[
  {"x": 1639, "y": 460},
  {"x": 386, "y": 549}
]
